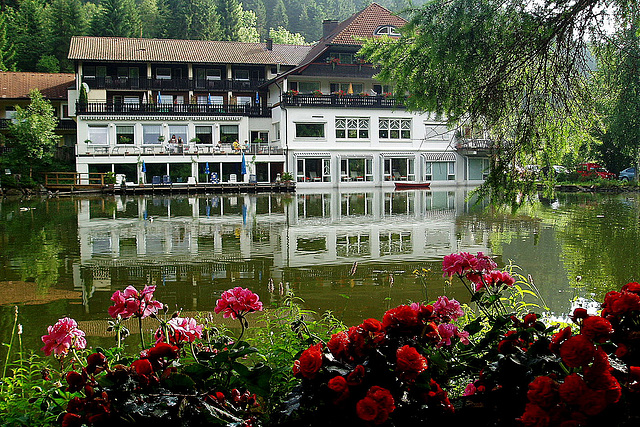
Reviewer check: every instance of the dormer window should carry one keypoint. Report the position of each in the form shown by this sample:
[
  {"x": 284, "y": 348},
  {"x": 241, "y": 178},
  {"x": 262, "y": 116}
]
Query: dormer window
[{"x": 386, "y": 30}]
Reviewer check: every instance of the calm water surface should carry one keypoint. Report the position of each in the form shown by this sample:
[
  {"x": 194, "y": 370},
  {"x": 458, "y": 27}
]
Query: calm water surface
[{"x": 66, "y": 256}]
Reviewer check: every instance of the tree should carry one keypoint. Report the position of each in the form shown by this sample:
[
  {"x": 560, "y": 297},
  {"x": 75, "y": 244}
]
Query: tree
[
  {"x": 278, "y": 17},
  {"x": 230, "y": 13},
  {"x": 189, "y": 19},
  {"x": 32, "y": 133},
  {"x": 518, "y": 70},
  {"x": 247, "y": 31},
  {"x": 257, "y": 6},
  {"x": 64, "y": 18},
  {"x": 617, "y": 84},
  {"x": 7, "y": 50},
  {"x": 283, "y": 36},
  {"x": 116, "y": 18},
  {"x": 48, "y": 64},
  {"x": 26, "y": 26}
]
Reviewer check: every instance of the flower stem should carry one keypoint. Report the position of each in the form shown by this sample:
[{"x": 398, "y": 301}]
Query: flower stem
[
  {"x": 13, "y": 332},
  {"x": 141, "y": 334}
]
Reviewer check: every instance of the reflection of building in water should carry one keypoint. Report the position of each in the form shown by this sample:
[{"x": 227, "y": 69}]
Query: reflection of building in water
[{"x": 251, "y": 238}]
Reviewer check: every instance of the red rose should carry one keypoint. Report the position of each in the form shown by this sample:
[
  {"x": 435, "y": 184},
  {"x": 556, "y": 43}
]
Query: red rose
[
  {"x": 621, "y": 351},
  {"x": 357, "y": 338},
  {"x": 339, "y": 345},
  {"x": 632, "y": 287},
  {"x": 596, "y": 328},
  {"x": 578, "y": 314},
  {"x": 339, "y": 385},
  {"x": 165, "y": 350},
  {"x": 619, "y": 303},
  {"x": 534, "y": 416},
  {"x": 410, "y": 363},
  {"x": 142, "y": 367},
  {"x": 402, "y": 317},
  {"x": 572, "y": 389},
  {"x": 355, "y": 378},
  {"x": 310, "y": 361},
  {"x": 71, "y": 420},
  {"x": 599, "y": 366},
  {"x": 543, "y": 392},
  {"x": 529, "y": 320},
  {"x": 367, "y": 409},
  {"x": 75, "y": 380},
  {"x": 431, "y": 332},
  {"x": 593, "y": 402},
  {"x": 96, "y": 362},
  {"x": 372, "y": 325},
  {"x": 577, "y": 351},
  {"x": 558, "y": 338}
]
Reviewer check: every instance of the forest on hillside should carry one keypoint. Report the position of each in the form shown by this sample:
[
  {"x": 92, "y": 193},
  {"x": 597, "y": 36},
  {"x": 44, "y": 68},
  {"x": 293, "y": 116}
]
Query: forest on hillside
[{"x": 35, "y": 34}]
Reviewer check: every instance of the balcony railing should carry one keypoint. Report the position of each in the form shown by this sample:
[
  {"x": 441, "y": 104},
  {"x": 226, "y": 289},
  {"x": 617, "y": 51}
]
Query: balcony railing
[
  {"x": 175, "y": 109},
  {"x": 473, "y": 144},
  {"x": 167, "y": 149},
  {"x": 346, "y": 101},
  {"x": 144, "y": 83},
  {"x": 4, "y": 123}
]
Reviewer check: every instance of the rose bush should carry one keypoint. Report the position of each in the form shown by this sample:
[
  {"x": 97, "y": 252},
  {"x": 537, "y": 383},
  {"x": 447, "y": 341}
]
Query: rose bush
[{"x": 422, "y": 362}]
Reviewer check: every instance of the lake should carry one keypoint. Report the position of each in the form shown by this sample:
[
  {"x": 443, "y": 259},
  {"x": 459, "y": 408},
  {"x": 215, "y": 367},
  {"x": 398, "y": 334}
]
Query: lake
[{"x": 66, "y": 256}]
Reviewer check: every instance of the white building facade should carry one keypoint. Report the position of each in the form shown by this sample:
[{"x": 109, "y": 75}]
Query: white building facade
[{"x": 185, "y": 111}]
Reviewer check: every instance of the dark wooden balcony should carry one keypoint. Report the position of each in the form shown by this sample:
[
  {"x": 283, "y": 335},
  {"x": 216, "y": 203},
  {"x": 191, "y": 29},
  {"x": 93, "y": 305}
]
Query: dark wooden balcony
[
  {"x": 174, "y": 109},
  {"x": 143, "y": 83},
  {"x": 340, "y": 101}
]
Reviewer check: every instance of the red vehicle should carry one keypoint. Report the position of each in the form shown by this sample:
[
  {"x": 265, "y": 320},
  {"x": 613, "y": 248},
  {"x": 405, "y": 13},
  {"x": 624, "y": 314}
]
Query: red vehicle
[{"x": 593, "y": 169}]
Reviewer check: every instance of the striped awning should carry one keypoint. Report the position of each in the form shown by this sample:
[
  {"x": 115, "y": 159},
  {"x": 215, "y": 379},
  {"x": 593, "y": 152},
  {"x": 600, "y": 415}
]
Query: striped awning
[{"x": 447, "y": 156}]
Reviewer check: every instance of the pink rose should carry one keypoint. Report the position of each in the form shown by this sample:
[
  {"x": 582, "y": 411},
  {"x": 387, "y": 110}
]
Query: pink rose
[
  {"x": 62, "y": 337},
  {"x": 238, "y": 302}
]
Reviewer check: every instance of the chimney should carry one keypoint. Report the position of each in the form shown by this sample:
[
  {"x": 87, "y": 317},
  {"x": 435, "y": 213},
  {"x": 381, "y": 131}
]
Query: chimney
[
  {"x": 269, "y": 44},
  {"x": 328, "y": 25}
]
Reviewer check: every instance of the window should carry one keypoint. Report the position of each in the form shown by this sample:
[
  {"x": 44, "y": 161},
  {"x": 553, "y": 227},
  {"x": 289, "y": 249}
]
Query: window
[
  {"x": 399, "y": 169},
  {"x": 165, "y": 99},
  {"x": 346, "y": 58},
  {"x": 259, "y": 137},
  {"x": 380, "y": 89},
  {"x": 206, "y": 99},
  {"x": 394, "y": 128},
  {"x": 91, "y": 72},
  {"x": 386, "y": 30},
  {"x": 204, "y": 134},
  {"x": 244, "y": 100},
  {"x": 276, "y": 130},
  {"x": 356, "y": 170},
  {"x": 229, "y": 133},
  {"x": 98, "y": 135},
  {"x": 242, "y": 75},
  {"x": 478, "y": 168},
  {"x": 150, "y": 134},
  {"x": 313, "y": 170},
  {"x": 124, "y": 135},
  {"x": 308, "y": 87},
  {"x": 163, "y": 73},
  {"x": 347, "y": 87},
  {"x": 214, "y": 74},
  {"x": 131, "y": 100},
  {"x": 440, "y": 171},
  {"x": 352, "y": 128},
  {"x": 180, "y": 131},
  {"x": 310, "y": 130}
]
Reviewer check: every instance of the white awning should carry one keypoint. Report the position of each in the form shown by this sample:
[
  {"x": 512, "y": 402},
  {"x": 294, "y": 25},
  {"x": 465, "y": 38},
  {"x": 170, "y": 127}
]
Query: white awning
[{"x": 440, "y": 157}]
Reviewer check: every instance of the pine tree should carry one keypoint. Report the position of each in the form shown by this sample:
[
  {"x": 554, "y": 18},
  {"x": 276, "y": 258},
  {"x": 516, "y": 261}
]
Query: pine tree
[
  {"x": 279, "y": 16},
  {"x": 116, "y": 18},
  {"x": 26, "y": 25},
  {"x": 64, "y": 18},
  {"x": 230, "y": 13},
  {"x": 7, "y": 50},
  {"x": 258, "y": 7}
]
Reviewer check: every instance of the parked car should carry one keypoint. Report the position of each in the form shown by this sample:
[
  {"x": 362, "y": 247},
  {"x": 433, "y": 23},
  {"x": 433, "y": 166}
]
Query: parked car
[
  {"x": 560, "y": 169},
  {"x": 629, "y": 174},
  {"x": 594, "y": 170}
]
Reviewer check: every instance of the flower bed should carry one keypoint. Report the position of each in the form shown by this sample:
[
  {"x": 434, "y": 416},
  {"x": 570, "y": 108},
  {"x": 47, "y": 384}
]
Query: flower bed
[{"x": 497, "y": 365}]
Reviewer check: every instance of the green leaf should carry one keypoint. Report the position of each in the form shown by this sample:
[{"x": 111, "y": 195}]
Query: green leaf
[{"x": 179, "y": 381}]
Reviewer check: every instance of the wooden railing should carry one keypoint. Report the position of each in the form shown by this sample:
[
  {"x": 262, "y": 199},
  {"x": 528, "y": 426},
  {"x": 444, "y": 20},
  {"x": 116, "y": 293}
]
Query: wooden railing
[
  {"x": 70, "y": 180},
  {"x": 348, "y": 101},
  {"x": 179, "y": 109}
]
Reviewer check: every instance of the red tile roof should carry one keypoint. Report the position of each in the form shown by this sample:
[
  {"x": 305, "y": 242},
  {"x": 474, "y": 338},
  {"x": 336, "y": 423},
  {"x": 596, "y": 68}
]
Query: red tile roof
[
  {"x": 348, "y": 32},
  {"x": 363, "y": 25},
  {"x": 51, "y": 85},
  {"x": 169, "y": 50}
]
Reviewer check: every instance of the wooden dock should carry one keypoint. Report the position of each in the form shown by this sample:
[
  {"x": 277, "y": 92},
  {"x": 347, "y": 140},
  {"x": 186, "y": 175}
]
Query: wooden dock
[{"x": 77, "y": 183}]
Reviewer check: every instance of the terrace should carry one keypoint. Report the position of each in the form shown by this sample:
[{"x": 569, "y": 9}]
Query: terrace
[
  {"x": 175, "y": 109},
  {"x": 144, "y": 83},
  {"x": 167, "y": 149},
  {"x": 342, "y": 101}
]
